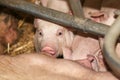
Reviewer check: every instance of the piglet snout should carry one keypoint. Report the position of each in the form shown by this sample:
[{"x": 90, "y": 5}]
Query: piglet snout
[{"x": 48, "y": 50}]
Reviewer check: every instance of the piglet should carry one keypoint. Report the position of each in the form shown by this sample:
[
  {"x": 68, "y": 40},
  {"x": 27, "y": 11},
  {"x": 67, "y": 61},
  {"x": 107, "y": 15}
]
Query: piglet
[
  {"x": 50, "y": 37},
  {"x": 86, "y": 50}
]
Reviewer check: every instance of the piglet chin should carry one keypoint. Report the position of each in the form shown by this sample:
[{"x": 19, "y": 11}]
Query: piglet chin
[{"x": 49, "y": 51}]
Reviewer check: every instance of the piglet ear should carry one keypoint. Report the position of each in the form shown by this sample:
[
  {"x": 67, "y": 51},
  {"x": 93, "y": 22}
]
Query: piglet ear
[
  {"x": 36, "y": 23},
  {"x": 67, "y": 53},
  {"x": 69, "y": 36}
]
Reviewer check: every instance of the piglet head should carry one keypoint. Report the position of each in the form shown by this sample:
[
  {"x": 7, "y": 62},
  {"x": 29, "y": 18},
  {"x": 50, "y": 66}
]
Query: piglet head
[{"x": 50, "y": 37}]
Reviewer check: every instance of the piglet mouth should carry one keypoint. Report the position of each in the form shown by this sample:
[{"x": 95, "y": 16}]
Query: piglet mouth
[{"x": 49, "y": 51}]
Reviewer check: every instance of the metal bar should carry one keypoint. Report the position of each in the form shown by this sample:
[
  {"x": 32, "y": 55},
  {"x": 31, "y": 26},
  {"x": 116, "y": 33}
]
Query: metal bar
[
  {"x": 76, "y": 8},
  {"x": 109, "y": 47},
  {"x": 56, "y": 16}
]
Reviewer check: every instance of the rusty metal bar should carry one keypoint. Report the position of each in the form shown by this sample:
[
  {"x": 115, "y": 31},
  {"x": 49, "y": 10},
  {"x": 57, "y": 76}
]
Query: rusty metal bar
[
  {"x": 109, "y": 47},
  {"x": 76, "y": 8},
  {"x": 56, "y": 16}
]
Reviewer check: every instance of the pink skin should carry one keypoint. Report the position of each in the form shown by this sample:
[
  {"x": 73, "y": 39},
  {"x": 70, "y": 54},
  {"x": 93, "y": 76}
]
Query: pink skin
[
  {"x": 60, "y": 5},
  {"x": 101, "y": 11},
  {"x": 87, "y": 55},
  {"x": 105, "y": 14},
  {"x": 83, "y": 49},
  {"x": 41, "y": 67},
  {"x": 99, "y": 16},
  {"x": 72, "y": 52},
  {"x": 51, "y": 37},
  {"x": 91, "y": 7},
  {"x": 92, "y": 10},
  {"x": 86, "y": 62},
  {"x": 109, "y": 7}
]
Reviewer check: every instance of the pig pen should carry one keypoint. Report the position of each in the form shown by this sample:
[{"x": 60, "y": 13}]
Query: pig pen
[{"x": 79, "y": 23}]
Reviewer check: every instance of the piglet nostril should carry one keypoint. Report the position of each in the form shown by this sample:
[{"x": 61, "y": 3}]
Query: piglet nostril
[{"x": 48, "y": 50}]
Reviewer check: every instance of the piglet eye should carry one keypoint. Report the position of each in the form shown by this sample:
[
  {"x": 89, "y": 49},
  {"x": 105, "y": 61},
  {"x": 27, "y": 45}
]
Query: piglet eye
[
  {"x": 60, "y": 32},
  {"x": 40, "y": 33}
]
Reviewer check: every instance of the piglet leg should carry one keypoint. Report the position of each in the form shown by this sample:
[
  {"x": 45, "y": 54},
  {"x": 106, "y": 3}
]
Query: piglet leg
[
  {"x": 97, "y": 63},
  {"x": 67, "y": 53}
]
